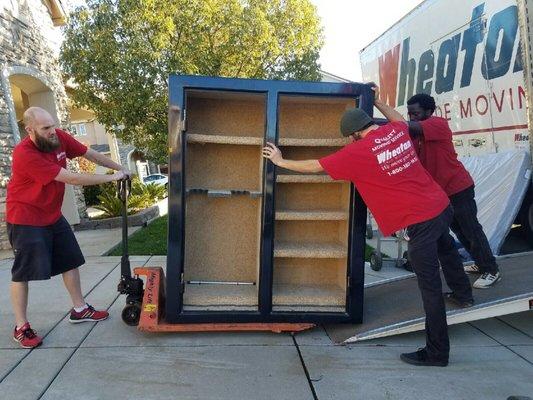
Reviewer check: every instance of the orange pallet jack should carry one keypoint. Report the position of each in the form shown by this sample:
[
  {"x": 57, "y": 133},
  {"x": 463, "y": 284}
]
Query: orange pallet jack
[{"x": 145, "y": 303}]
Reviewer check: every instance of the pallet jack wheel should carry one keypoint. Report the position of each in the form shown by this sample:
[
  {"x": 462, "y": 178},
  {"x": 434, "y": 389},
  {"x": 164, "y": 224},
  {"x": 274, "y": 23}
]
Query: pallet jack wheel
[
  {"x": 407, "y": 264},
  {"x": 369, "y": 231},
  {"x": 131, "y": 314},
  {"x": 376, "y": 262}
]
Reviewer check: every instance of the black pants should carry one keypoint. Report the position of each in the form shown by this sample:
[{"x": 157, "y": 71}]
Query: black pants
[
  {"x": 430, "y": 241},
  {"x": 469, "y": 231}
]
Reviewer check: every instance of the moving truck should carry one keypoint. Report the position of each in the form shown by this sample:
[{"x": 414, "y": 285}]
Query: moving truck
[{"x": 473, "y": 57}]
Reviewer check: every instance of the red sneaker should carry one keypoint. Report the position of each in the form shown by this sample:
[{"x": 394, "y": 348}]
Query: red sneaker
[
  {"x": 27, "y": 337},
  {"x": 89, "y": 314}
]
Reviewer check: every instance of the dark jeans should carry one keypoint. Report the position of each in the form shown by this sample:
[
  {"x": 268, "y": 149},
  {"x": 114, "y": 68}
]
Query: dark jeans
[
  {"x": 430, "y": 241},
  {"x": 470, "y": 232}
]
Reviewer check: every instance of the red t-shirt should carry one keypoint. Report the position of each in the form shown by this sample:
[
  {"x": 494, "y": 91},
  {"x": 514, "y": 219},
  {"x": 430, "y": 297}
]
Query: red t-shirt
[
  {"x": 386, "y": 171},
  {"x": 438, "y": 156},
  {"x": 34, "y": 197}
]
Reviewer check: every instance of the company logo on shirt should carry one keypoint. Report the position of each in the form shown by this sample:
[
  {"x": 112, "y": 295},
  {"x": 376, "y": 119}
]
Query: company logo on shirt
[
  {"x": 61, "y": 156},
  {"x": 388, "y": 154},
  {"x": 386, "y": 138}
]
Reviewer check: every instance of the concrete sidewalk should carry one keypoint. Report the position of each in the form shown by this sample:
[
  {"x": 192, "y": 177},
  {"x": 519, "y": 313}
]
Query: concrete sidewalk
[{"x": 490, "y": 359}]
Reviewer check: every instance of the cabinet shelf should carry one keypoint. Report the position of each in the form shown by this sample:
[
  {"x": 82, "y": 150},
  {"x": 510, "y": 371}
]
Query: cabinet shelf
[
  {"x": 225, "y": 192},
  {"x": 224, "y": 139},
  {"x": 316, "y": 215},
  {"x": 313, "y": 142},
  {"x": 300, "y": 178},
  {"x": 309, "y": 250}
]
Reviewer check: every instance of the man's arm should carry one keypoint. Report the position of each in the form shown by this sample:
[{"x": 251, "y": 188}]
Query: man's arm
[
  {"x": 390, "y": 113},
  {"x": 274, "y": 154},
  {"x": 73, "y": 178},
  {"x": 104, "y": 161},
  {"x": 415, "y": 129}
]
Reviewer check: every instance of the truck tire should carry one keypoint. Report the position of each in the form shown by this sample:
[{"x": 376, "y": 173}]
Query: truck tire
[
  {"x": 525, "y": 216},
  {"x": 527, "y": 223}
]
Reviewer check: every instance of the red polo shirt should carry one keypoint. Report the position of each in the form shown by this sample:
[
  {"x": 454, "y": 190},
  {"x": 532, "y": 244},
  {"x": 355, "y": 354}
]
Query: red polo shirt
[
  {"x": 387, "y": 173},
  {"x": 34, "y": 197},
  {"x": 438, "y": 156}
]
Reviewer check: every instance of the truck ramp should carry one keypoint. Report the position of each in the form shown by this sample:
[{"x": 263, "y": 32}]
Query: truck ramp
[{"x": 394, "y": 306}]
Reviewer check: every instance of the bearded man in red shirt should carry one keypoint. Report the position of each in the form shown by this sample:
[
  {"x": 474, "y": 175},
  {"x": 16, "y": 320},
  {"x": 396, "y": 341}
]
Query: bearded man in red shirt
[
  {"x": 42, "y": 240},
  {"x": 382, "y": 164},
  {"x": 433, "y": 140}
]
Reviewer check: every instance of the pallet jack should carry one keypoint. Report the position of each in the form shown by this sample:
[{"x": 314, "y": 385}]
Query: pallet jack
[
  {"x": 131, "y": 286},
  {"x": 145, "y": 304}
]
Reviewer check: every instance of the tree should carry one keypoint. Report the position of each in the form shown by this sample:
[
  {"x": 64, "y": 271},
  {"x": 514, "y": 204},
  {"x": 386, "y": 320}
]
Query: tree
[{"x": 121, "y": 52}]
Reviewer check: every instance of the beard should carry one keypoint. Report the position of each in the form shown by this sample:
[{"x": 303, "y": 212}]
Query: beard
[{"x": 46, "y": 145}]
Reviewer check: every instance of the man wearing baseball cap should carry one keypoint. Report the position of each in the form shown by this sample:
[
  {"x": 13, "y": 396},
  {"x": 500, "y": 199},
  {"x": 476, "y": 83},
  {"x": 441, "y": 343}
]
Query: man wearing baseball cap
[{"x": 383, "y": 165}]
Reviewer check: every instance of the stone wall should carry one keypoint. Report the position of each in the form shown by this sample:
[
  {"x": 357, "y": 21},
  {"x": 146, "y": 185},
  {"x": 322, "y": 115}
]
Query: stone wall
[
  {"x": 28, "y": 46},
  {"x": 123, "y": 150}
]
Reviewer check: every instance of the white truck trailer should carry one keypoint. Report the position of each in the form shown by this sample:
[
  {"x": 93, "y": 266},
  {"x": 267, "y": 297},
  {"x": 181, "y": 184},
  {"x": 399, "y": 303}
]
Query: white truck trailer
[{"x": 474, "y": 57}]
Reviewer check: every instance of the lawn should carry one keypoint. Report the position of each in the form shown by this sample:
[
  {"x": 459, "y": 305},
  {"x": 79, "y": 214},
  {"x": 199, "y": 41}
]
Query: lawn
[{"x": 152, "y": 240}]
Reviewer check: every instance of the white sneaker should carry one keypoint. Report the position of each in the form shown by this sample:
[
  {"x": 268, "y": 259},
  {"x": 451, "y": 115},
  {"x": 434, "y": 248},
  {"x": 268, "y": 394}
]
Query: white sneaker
[
  {"x": 487, "y": 280},
  {"x": 472, "y": 269}
]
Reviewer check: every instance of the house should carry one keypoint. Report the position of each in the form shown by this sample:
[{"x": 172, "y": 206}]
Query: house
[
  {"x": 329, "y": 77},
  {"x": 30, "y": 38}
]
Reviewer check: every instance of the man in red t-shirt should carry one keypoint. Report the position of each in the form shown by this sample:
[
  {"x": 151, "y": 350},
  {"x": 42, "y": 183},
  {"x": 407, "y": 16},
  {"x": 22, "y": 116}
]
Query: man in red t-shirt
[
  {"x": 383, "y": 165},
  {"x": 42, "y": 240},
  {"x": 433, "y": 140}
]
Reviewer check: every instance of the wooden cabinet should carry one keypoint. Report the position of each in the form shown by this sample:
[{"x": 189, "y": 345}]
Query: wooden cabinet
[{"x": 249, "y": 242}]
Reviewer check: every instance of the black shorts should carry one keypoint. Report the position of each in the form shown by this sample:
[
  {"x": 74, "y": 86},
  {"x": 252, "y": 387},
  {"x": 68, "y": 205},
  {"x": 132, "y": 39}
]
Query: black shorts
[{"x": 43, "y": 251}]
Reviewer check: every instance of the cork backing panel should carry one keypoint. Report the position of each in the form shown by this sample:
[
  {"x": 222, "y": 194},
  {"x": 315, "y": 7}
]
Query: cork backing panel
[
  {"x": 225, "y": 113},
  {"x": 311, "y": 117},
  {"x": 223, "y": 166},
  {"x": 221, "y": 239},
  {"x": 299, "y": 271},
  {"x": 221, "y": 139},
  {"x": 311, "y": 231},
  {"x": 226, "y": 296},
  {"x": 312, "y": 196}
]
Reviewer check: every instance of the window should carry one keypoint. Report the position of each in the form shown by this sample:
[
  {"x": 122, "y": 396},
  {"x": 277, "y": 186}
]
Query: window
[{"x": 78, "y": 129}]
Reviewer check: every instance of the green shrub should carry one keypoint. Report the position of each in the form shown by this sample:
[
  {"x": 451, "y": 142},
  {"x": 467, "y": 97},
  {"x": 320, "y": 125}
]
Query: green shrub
[
  {"x": 109, "y": 203},
  {"x": 141, "y": 196},
  {"x": 92, "y": 192},
  {"x": 155, "y": 192}
]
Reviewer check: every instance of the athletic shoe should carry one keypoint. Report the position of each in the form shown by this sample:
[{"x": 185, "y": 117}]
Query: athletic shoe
[
  {"x": 472, "y": 269},
  {"x": 27, "y": 337},
  {"x": 89, "y": 314},
  {"x": 420, "y": 357},
  {"x": 450, "y": 296},
  {"x": 487, "y": 280}
]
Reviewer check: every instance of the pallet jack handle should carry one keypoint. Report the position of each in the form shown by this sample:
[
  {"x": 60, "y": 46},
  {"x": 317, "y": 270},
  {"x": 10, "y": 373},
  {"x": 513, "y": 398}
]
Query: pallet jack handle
[
  {"x": 131, "y": 286},
  {"x": 123, "y": 192}
]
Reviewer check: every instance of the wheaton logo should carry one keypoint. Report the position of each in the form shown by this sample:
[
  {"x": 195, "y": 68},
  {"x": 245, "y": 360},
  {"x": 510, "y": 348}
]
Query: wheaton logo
[
  {"x": 387, "y": 154},
  {"x": 401, "y": 77}
]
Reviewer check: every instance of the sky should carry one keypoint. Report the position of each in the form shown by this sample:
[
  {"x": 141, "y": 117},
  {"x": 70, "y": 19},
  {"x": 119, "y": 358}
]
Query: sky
[{"x": 350, "y": 25}]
